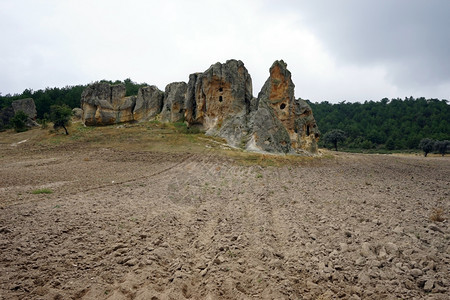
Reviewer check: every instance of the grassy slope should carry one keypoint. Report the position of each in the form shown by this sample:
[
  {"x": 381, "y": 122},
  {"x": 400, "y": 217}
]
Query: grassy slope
[{"x": 147, "y": 136}]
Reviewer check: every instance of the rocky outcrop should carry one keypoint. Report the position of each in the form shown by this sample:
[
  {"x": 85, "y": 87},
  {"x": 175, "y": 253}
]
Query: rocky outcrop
[
  {"x": 77, "y": 113},
  {"x": 280, "y": 115},
  {"x": 268, "y": 133},
  {"x": 105, "y": 104},
  {"x": 220, "y": 100},
  {"x": 173, "y": 107},
  {"x": 27, "y": 106},
  {"x": 149, "y": 103}
]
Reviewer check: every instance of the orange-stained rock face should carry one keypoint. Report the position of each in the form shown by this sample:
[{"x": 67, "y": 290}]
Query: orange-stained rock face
[
  {"x": 220, "y": 102},
  {"x": 221, "y": 93},
  {"x": 281, "y": 94},
  {"x": 295, "y": 116},
  {"x": 214, "y": 101}
]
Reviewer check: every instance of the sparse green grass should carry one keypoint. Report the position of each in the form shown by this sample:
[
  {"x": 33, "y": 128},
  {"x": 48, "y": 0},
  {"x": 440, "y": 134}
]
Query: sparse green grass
[
  {"x": 42, "y": 191},
  {"x": 155, "y": 136}
]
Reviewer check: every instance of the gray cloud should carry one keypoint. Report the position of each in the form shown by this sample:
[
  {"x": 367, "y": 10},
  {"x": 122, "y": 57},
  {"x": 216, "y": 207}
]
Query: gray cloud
[
  {"x": 410, "y": 37},
  {"x": 336, "y": 50}
]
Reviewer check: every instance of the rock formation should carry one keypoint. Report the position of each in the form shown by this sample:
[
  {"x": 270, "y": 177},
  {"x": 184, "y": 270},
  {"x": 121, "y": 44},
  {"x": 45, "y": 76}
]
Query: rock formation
[
  {"x": 77, "y": 113},
  {"x": 219, "y": 101},
  {"x": 149, "y": 103},
  {"x": 281, "y": 121},
  {"x": 27, "y": 106},
  {"x": 105, "y": 104},
  {"x": 173, "y": 103}
]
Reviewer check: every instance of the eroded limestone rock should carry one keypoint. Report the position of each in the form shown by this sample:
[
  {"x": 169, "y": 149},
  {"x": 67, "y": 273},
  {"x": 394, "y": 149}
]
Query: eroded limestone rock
[
  {"x": 105, "y": 104},
  {"x": 173, "y": 103},
  {"x": 27, "y": 106},
  {"x": 77, "y": 113},
  {"x": 149, "y": 103},
  {"x": 220, "y": 100},
  {"x": 277, "y": 103}
]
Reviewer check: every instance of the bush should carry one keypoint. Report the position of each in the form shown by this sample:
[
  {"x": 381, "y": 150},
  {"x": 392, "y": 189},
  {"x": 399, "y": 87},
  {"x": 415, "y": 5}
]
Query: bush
[
  {"x": 19, "y": 121},
  {"x": 426, "y": 145},
  {"x": 60, "y": 116},
  {"x": 441, "y": 147},
  {"x": 334, "y": 136},
  {"x": 390, "y": 144},
  {"x": 6, "y": 114}
]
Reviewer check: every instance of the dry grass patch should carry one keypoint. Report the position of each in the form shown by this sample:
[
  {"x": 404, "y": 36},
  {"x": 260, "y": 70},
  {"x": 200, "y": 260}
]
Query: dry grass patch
[
  {"x": 437, "y": 215},
  {"x": 155, "y": 136}
]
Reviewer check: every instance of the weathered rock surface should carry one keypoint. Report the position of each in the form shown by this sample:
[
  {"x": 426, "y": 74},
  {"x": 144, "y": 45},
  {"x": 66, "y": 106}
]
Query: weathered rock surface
[
  {"x": 280, "y": 114},
  {"x": 77, "y": 113},
  {"x": 105, "y": 104},
  {"x": 149, "y": 103},
  {"x": 27, "y": 106},
  {"x": 269, "y": 134},
  {"x": 219, "y": 100},
  {"x": 173, "y": 103}
]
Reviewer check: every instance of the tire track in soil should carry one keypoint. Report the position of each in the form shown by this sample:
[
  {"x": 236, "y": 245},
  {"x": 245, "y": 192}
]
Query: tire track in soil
[
  {"x": 208, "y": 229},
  {"x": 83, "y": 224}
]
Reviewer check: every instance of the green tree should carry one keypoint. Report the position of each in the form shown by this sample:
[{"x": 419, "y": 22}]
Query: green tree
[
  {"x": 390, "y": 144},
  {"x": 441, "y": 146},
  {"x": 334, "y": 137},
  {"x": 19, "y": 121},
  {"x": 426, "y": 145},
  {"x": 60, "y": 116},
  {"x": 6, "y": 114}
]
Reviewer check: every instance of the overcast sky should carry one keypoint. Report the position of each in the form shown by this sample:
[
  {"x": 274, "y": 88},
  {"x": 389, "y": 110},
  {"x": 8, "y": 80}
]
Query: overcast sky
[{"x": 352, "y": 50}]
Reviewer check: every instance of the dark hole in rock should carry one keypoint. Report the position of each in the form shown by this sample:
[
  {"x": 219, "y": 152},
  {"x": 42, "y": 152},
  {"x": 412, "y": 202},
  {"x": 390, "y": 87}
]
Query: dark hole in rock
[
  {"x": 282, "y": 106},
  {"x": 180, "y": 111},
  {"x": 307, "y": 130},
  {"x": 221, "y": 89},
  {"x": 220, "y": 99},
  {"x": 316, "y": 135}
]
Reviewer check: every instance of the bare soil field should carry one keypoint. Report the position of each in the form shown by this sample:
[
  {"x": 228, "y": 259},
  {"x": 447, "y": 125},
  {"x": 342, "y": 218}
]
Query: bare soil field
[{"x": 99, "y": 218}]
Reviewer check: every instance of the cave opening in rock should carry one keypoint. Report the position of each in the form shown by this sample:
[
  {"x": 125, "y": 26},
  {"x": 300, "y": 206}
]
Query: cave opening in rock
[
  {"x": 282, "y": 106},
  {"x": 307, "y": 130},
  {"x": 221, "y": 89},
  {"x": 220, "y": 98}
]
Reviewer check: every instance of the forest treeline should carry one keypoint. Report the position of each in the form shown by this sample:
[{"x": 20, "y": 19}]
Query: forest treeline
[
  {"x": 69, "y": 95},
  {"x": 392, "y": 124}
]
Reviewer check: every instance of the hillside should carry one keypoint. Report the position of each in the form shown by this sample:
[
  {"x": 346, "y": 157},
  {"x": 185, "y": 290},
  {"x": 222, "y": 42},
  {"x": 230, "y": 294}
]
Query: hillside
[{"x": 386, "y": 124}]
